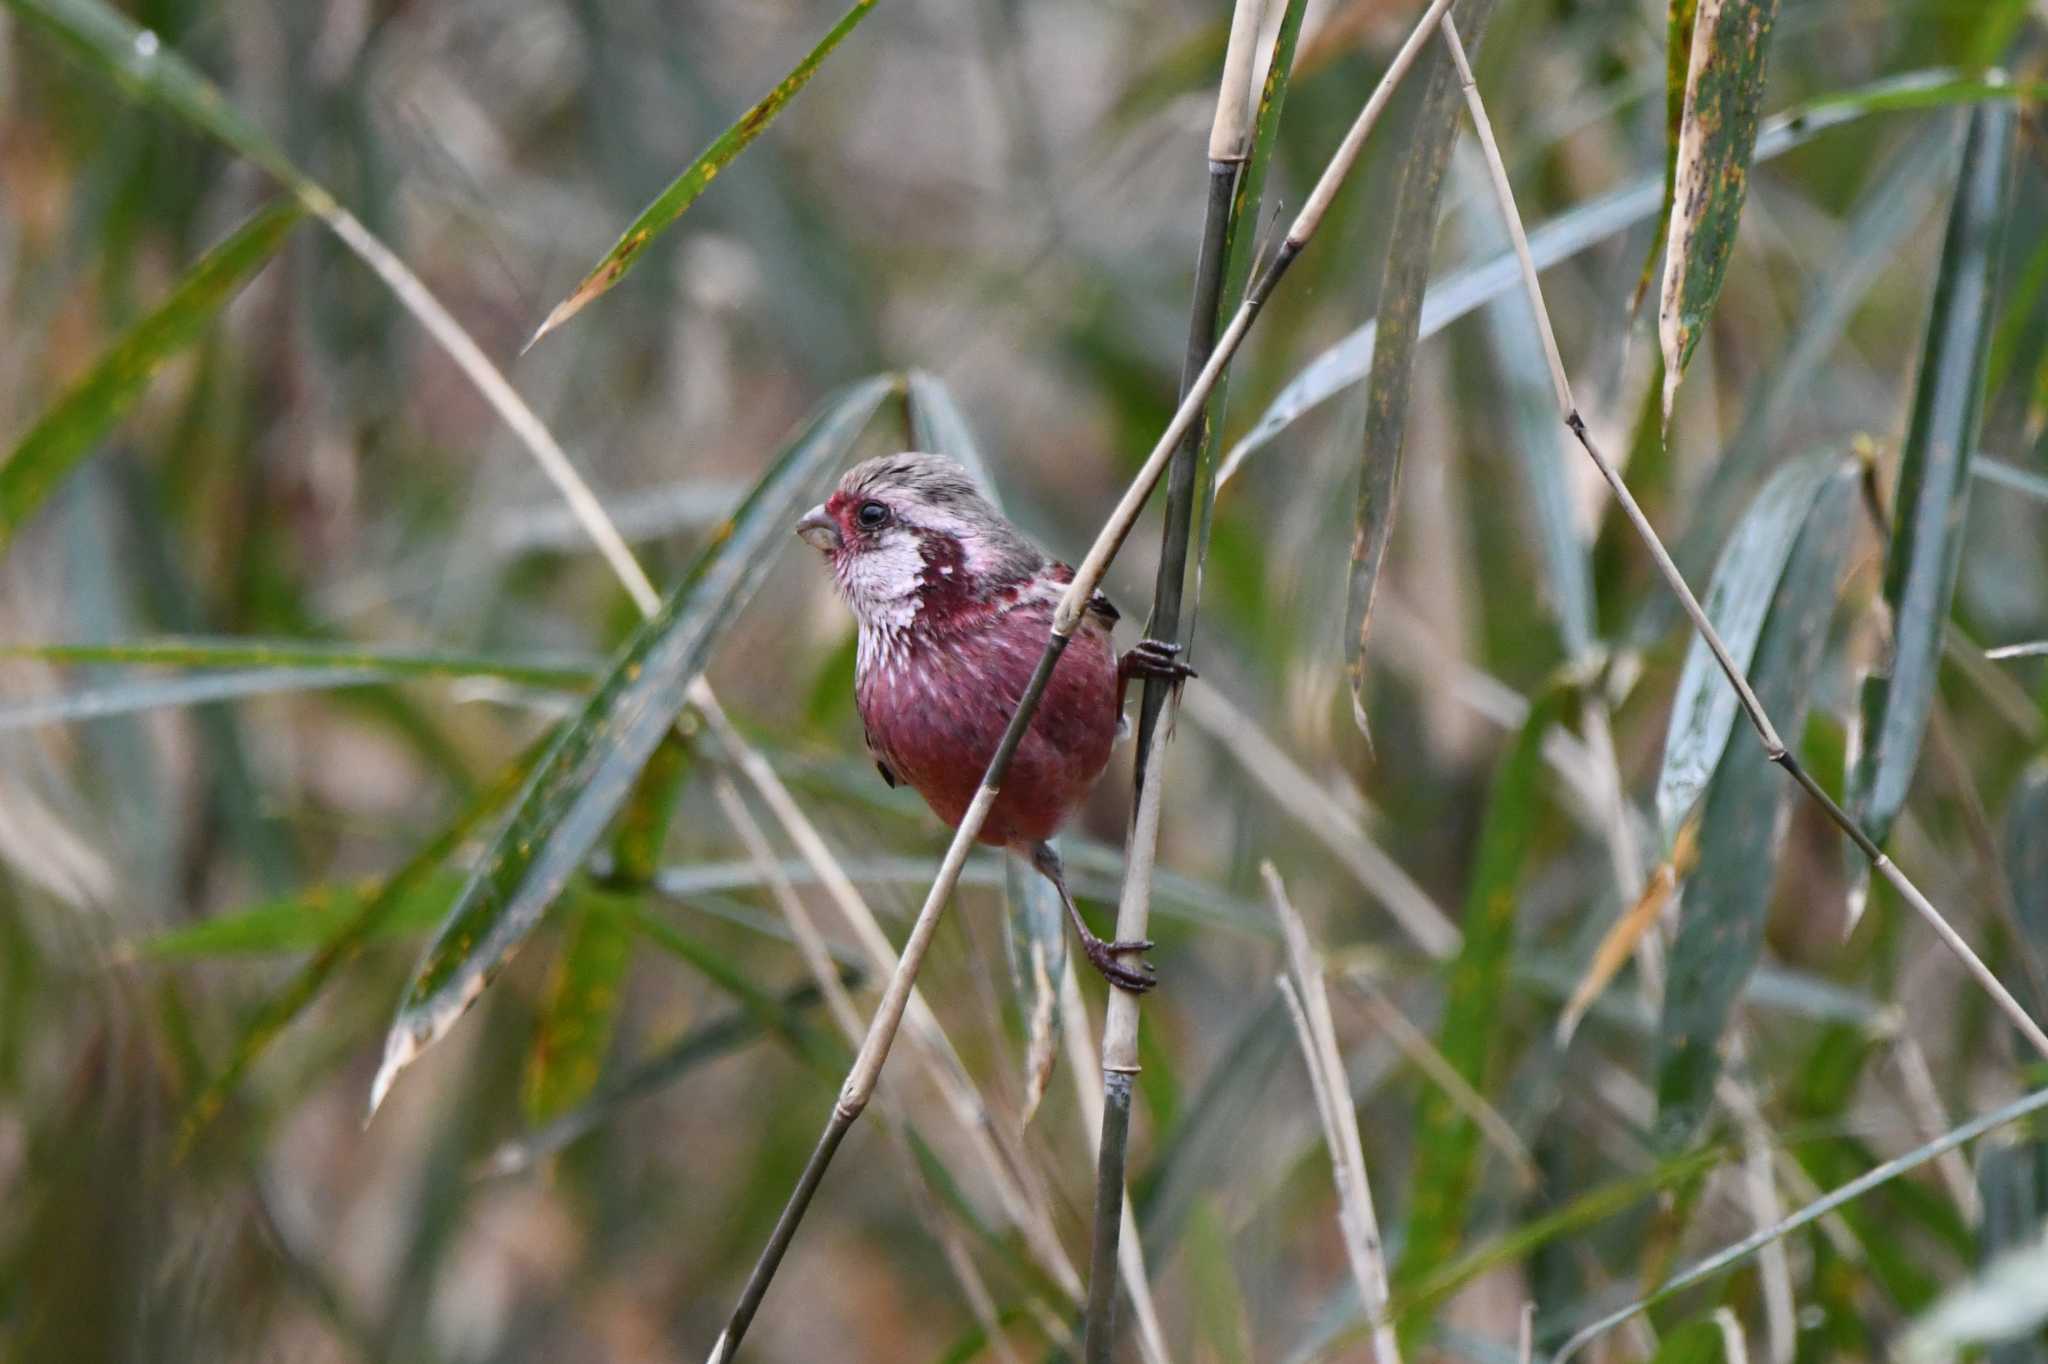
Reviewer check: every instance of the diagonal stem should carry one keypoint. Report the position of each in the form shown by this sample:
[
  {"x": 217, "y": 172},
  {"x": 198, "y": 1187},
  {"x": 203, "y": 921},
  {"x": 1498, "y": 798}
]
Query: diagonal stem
[{"x": 1774, "y": 746}]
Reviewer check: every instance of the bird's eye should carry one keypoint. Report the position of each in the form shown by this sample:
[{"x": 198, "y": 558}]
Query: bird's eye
[{"x": 872, "y": 515}]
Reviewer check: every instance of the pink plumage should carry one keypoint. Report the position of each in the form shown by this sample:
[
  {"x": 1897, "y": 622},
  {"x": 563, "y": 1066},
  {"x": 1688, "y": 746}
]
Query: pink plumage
[{"x": 954, "y": 605}]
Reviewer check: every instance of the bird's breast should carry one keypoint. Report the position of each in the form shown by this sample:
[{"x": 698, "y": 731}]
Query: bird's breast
[{"x": 935, "y": 705}]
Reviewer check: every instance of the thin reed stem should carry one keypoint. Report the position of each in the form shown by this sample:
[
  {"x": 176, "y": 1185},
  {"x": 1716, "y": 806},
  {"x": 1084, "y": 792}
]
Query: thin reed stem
[{"x": 1774, "y": 746}]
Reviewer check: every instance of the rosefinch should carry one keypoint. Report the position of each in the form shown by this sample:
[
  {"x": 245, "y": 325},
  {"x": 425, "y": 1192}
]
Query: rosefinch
[{"x": 954, "y": 605}]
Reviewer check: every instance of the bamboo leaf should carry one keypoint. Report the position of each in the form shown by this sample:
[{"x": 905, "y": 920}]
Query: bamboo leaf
[
  {"x": 670, "y": 204},
  {"x": 1411, "y": 237},
  {"x": 303, "y": 922},
  {"x": 580, "y": 1009},
  {"x": 1722, "y": 914},
  {"x": 1679, "y": 22},
  {"x": 1738, "y": 598},
  {"x": 1934, "y": 480},
  {"x": 577, "y": 1014},
  {"x": 1468, "y": 287},
  {"x": 1724, "y": 92},
  {"x": 1471, "y": 1038},
  {"x": 586, "y": 774},
  {"x": 383, "y": 661},
  {"x": 72, "y": 425},
  {"x": 130, "y": 696}
]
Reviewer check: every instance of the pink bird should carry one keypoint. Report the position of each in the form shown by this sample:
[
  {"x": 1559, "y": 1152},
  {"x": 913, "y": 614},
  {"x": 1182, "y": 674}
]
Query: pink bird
[{"x": 954, "y": 605}]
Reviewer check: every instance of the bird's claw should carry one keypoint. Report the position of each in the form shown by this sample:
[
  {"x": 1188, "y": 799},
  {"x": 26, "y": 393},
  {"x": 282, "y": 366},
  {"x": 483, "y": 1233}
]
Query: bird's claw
[
  {"x": 1103, "y": 957},
  {"x": 1157, "y": 658}
]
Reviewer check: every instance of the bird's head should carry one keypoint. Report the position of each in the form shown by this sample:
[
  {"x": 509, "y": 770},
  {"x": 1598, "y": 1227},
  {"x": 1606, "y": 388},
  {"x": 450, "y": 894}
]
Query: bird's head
[{"x": 911, "y": 535}]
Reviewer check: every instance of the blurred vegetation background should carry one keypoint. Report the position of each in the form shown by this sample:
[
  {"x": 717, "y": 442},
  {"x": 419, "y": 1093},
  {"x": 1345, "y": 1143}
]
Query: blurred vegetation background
[{"x": 221, "y": 857}]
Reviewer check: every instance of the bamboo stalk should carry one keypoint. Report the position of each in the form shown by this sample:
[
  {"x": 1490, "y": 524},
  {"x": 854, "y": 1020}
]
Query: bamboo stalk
[
  {"x": 1774, "y": 746},
  {"x": 1229, "y": 141},
  {"x": 860, "y": 1081}
]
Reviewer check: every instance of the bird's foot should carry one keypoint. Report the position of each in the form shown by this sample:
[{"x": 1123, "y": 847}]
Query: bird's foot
[
  {"x": 1156, "y": 658},
  {"x": 1103, "y": 956}
]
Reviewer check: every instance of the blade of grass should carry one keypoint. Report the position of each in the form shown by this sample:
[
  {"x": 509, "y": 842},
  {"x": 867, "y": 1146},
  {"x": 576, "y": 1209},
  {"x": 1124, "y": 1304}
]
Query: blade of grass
[
  {"x": 586, "y": 774},
  {"x": 669, "y": 205},
  {"x": 1411, "y": 238},
  {"x": 73, "y": 424},
  {"x": 1471, "y": 1036},
  {"x": 1724, "y": 907},
  {"x": 1934, "y": 483},
  {"x": 1724, "y": 93}
]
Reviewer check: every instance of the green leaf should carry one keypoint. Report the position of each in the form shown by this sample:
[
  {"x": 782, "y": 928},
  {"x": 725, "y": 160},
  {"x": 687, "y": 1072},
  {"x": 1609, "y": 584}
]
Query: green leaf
[
  {"x": 70, "y": 428},
  {"x": 1934, "y": 481},
  {"x": 1739, "y": 596},
  {"x": 1725, "y": 901},
  {"x": 577, "y": 1014},
  {"x": 1472, "y": 1034},
  {"x": 1678, "y": 31},
  {"x": 698, "y": 175},
  {"x": 304, "y": 921},
  {"x": 1411, "y": 239},
  {"x": 1724, "y": 93},
  {"x": 580, "y": 1010},
  {"x": 1458, "y": 293},
  {"x": 382, "y": 661},
  {"x": 585, "y": 777}
]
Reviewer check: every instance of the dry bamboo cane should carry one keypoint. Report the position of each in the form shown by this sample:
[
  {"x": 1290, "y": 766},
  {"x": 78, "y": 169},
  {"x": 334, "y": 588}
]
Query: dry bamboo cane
[
  {"x": 1774, "y": 746},
  {"x": 867, "y": 1067},
  {"x": 1229, "y": 141}
]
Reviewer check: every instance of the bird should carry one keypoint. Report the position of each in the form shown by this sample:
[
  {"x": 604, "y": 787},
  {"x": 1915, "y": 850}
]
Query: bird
[{"x": 954, "y": 605}]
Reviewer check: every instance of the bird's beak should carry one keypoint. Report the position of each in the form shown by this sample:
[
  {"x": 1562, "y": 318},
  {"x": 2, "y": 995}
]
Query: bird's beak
[{"x": 819, "y": 530}]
